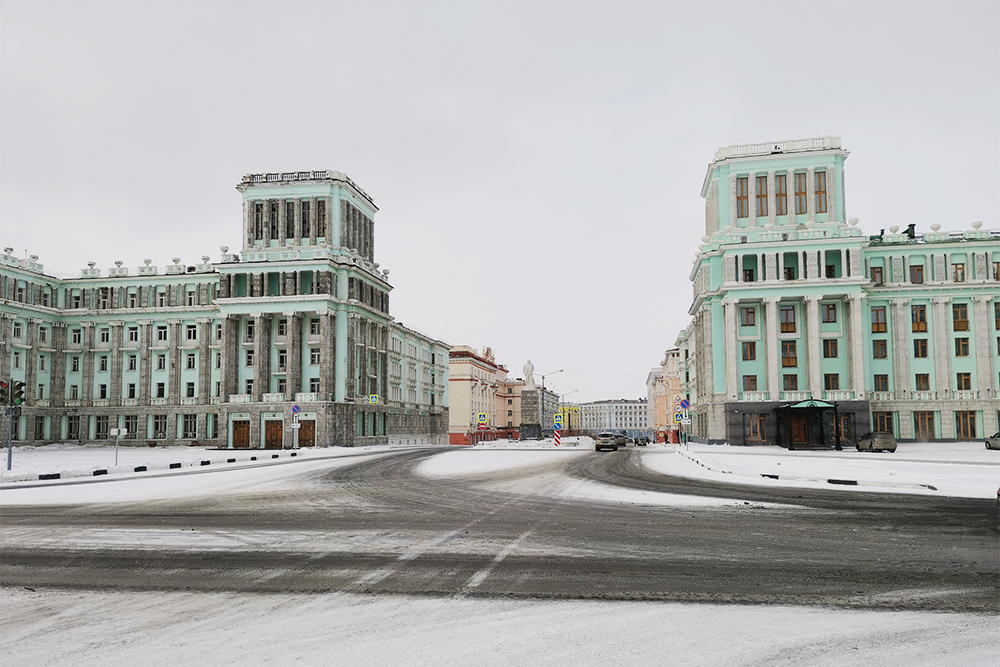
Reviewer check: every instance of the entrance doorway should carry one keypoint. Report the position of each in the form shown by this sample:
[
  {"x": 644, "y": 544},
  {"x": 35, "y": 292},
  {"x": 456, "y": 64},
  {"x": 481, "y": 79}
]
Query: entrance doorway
[
  {"x": 241, "y": 434},
  {"x": 800, "y": 431},
  {"x": 273, "y": 434},
  {"x": 307, "y": 433},
  {"x": 846, "y": 431}
]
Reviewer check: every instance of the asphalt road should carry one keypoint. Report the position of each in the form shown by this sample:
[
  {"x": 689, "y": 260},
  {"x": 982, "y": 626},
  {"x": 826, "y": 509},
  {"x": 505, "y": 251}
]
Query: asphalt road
[{"x": 374, "y": 526}]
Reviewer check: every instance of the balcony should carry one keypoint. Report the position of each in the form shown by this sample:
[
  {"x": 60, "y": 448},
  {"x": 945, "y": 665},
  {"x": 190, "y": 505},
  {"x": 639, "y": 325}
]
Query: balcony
[
  {"x": 100, "y": 402},
  {"x": 965, "y": 395},
  {"x": 838, "y": 395},
  {"x": 72, "y": 403},
  {"x": 189, "y": 401},
  {"x": 795, "y": 395},
  {"x": 273, "y": 398},
  {"x": 240, "y": 398},
  {"x": 754, "y": 396},
  {"x": 158, "y": 401},
  {"x": 880, "y": 396},
  {"x": 924, "y": 395},
  {"x": 789, "y": 362},
  {"x": 130, "y": 402},
  {"x": 306, "y": 397}
]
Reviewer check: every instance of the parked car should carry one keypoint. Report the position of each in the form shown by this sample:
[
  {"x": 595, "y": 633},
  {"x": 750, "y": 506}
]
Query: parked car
[
  {"x": 993, "y": 442},
  {"x": 877, "y": 441},
  {"x": 642, "y": 442},
  {"x": 606, "y": 441},
  {"x": 620, "y": 440}
]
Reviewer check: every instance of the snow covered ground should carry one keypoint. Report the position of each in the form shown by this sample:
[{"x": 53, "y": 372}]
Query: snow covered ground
[{"x": 59, "y": 628}]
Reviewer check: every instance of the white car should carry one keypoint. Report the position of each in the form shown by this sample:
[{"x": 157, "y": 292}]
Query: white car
[{"x": 993, "y": 442}]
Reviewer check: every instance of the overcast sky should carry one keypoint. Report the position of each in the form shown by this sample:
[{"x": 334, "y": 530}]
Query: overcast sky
[{"x": 537, "y": 165}]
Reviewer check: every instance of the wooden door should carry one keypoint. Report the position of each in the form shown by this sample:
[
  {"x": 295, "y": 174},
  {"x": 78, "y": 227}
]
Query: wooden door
[
  {"x": 273, "y": 434},
  {"x": 845, "y": 430},
  {"x": 307, "y": 433},
  {"x": 800, "y": 431},
  {"x": 241, "y": 434}
]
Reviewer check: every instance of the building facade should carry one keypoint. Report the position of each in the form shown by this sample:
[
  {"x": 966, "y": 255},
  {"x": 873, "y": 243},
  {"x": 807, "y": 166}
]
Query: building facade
[
  {"x": 663, "y": 397},
  {"x": 805, "y": 330},
  {"x": 479, "y": 388},
  {"x": 220, "y": 353},
  {"x": 618, "y": 415}
]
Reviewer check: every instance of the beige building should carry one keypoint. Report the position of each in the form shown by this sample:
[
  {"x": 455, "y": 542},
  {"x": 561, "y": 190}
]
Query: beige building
[
  {"x": 663, "y": 396},
  {"x": 475, "y": 382},
  {"x": 508, "y": 408}
]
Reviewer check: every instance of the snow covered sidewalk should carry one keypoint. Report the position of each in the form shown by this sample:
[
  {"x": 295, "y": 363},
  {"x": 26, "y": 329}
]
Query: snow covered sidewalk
[{"x": 962, "y": 469}]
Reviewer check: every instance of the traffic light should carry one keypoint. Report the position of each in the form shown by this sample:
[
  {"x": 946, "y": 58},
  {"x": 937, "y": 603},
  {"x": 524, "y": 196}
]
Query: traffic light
[
  {"x": 16, "y": 392},
  {"x": 4, "y": 393}
]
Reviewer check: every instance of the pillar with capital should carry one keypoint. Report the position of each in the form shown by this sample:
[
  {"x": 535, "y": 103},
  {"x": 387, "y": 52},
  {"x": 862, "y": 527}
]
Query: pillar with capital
[
  {"x": 813, "y": 346},
  {"x": 856, "y": 344},
  {"x": 771, "y": 342},
  {"x": 731, "y": 352}
]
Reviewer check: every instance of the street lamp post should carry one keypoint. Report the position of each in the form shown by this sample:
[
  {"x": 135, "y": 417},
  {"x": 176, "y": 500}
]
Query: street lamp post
[
  {"x": 569, "y": 429},
  {"x": 541, "y": 398}
]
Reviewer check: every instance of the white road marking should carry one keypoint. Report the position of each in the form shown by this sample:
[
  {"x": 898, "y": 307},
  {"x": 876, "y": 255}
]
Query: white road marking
[{"x": 480, "y": 576}]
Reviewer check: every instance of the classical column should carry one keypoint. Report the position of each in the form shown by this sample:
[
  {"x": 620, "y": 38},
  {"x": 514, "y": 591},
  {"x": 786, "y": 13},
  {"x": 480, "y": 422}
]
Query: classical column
[
  {"x": 340, "y": 341},
  {"x": 267, "y": 222},
  {"x": 282, "y": 221},
  {"x": 326, "y": 354},
  {"x": 293, "y": 372},
  {"x": 752, "y": 198},
  {"x": 941, "y": 342},
  {"x": 732, "y": 201},
  {"x": 812, "y": 341},
  {"x": 811, "y": 193},
  {"x": 790, "y": 197},
  {"x": 261, "y": 355},
  {"x": 229, "y": 348},
  {"x": 332, "y": 222},
  {"x": 831, "y": 194},
  {"x": 57, "y": 375},
  {"x": 844, "y": 268},
  {"x": 30, "y": 372},
  {"x": 731, "y": 349},
  {"x": 298, "y": 222},
  {"x": 856, "y": 344},
  {"x": 87, "y": 377},
  {"x": 174, "y": 392},
  {"x": 312, "y": 221},
  {"x": 901, "y": 347},
  {"x": 985, "y": 369},
  {"x": 117, "y": 340},
  {"x": 204, "y": 362},
  {"x": 145, "y": 359}
]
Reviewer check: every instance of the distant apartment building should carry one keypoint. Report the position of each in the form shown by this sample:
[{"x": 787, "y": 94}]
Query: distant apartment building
[
  {"x": 620, "y": 415},
  {"x": 806, "y": 331},
  {"x": 663, "y": 397},
  {"x": 484, "y": 403},
  {"x": 287, "y": 343}
]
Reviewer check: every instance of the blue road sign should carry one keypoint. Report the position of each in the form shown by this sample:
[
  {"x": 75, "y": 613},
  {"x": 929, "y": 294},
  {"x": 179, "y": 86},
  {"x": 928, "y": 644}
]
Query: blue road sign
[
  {"x": 685, "y": 404},
  {"x": 295, "y": 409}
]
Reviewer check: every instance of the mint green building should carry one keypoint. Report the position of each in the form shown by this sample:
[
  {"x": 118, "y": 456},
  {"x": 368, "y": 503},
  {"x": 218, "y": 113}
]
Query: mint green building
[
  {"x": 288, "y": 343},
  {"x": 805, "y": 331}
]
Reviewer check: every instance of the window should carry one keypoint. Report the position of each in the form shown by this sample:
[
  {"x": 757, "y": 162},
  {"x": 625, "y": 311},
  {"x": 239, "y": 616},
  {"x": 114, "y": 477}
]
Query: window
[
  {"x": 159, "y": 426},
  {"x": 963, "y": 381},
  {"x": 780, "y": 194},
  {"x": 920, "y": 348},
  {"x": 800, "y": 193},
  {"x": 289, "y": 219},
  {"x": 965, "y": 424},
  {"x": 77, "y": 301},
  {"x": 882, "y": 421},
  {"x": 923, "y": 425},
  {"x": 510, "y": 401},
  {"x": 918, "y": 316},
  {"x": 133, "y": 334},
  {"x": 102, "y": 391},
  {"x": 74, "y": 364},
  {"x": 248, "y": 387},
  {"x": 218, "y": 332},
  {"x": 961, "y": 347},
  {"x": 102, "y": 363},
  {"x": 249, "y": 358},
  {"x": 218, "y": 388},
  {"x": 749, "y": 351},
  {"x": 41, "y": 362},
  {"x": 105, "y": 335},
  {"x": 131, "y": 390},
  {"x": 73, "y": 427},
  {"x": 787, "y": 318},
  {"x": 748, "y": 275},
  {"x": 161, "y": 334},
  {"x": 742, "y": 198},
  {"x": 133, "y": 300},
  {"x": 314, "y": 385},
  {"x": 249, "y": 331},
  {"x": 877, "y": 275},
  {"x": 101, "y": 430},
  {"x": 881, "y": 383},
  {"x": 829, "y": 313},
  {"x": 831, "y": 271},
  {"x": 282, "y": 327},
  {"x": 305, "y": 219},
  {"x": 282, "y": 359},
  {"x": 748, "y": 317},
  {"x": 922, "y": 382},
  {"x": 192, "y": 332},
  {"x": 749, "y": 383},
  {"x": 189, "y": 390},
  {"x": 190, "y": 425},
  {"x": 314, "y": 357},
  {"x": 789, "y": 273},
  {"x": 756, "y": 428},
  {"x": 132, "y": 362},
  {"x": 161, "y": 390},
  {"x": 788, "y": 357},
  {"x": 510, "y": 413},
  {"x": 161, "y": 362},
  {"x": 510, "y": 391},
  {"x": 17, "y": 330},
  {"x": 820, "y": 191},
  {"x": 192, "y": 298},
  {"x": 996, "y": 315},
  {"x": 314, "y": 327},
  {"x": 131, "y": 426},
  {"x": 959, "y": 272},
  {"x": 189, "y": 362},
  {"x": 761, "y": 196},
  {"x": 829, "y": 348},
  {"x": 831, "y": 382},
  {"x": 790, "y": 382},
  {"x": 15, "y": 361},
  {"x": 282, "y": 384},
  {"x": 916, "y": 274},
  {"x": 161, "y": 299},
  {"x": 960, "y": 316},
  {"x": 43, "y": 334},
  {"x": 878, "y": 319},
  {"x": 41, "y": 394},
  {"x": 76, "y": 336},
  {"x": 74, "y": 391},
  {"x": 880, "y": 349}
]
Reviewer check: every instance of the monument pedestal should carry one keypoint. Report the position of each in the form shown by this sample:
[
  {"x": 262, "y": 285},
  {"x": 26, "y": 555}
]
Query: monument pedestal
[{"x": 531, "y": 424}]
